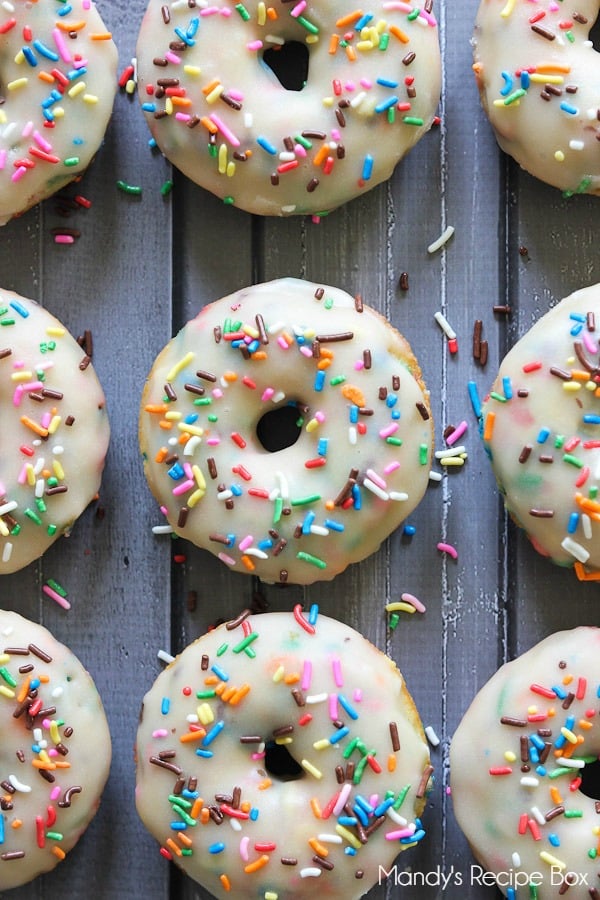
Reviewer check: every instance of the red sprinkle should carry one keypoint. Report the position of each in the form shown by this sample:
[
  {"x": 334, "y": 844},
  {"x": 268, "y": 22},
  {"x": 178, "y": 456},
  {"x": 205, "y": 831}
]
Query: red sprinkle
[
  {"x": 301, "y": 620},
  {"x": 532, "y": 366},
  {"x": 543, "y": 691},
  {"x": 500, "y": 770}
]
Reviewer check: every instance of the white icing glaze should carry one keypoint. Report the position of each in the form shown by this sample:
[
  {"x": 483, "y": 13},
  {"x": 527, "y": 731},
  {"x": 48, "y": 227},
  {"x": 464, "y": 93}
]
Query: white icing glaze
[
  {"x": 58, "y": 80},
  {"x": 71, "y": 745},
  {"x": 335, "y": 674},
  {"x": 50, "y": 469},
  {"x": 234, "y": 129},
  {"x": 540, "y": 87},
  {"x": 288, "y": 503},
  {"x": 550, "y": 489},
  {"x": 536, "y": 812}
]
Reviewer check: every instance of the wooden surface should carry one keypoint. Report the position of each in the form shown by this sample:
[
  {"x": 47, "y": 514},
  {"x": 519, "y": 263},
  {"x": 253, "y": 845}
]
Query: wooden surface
[{"x": 140, "y": 269}]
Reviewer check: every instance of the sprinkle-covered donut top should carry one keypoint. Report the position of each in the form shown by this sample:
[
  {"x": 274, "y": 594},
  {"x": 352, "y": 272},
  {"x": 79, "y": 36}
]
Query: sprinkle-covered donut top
[
  {"x": 365, "y": 87},
  {"x": 54, "y": 753},
  {"x": 58, "y": 80},
  {"x": 538, "y": 75},
  {"x": 541, "y": 428},
  {"x": 281, "y": 755},
  {"x": 54, "y": 430},
  {"x": 524, "y": 770},
  {"x": 357, "y": 461}
]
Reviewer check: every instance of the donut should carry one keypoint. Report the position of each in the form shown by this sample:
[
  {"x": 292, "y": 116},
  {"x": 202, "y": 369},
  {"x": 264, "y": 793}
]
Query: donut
[
  {"x": 537, "y": 74},
  {"x": 53, "y": 426},
  {"x": 524, "y": 767},
  {"x": 289, "y": 108},
  {"x": 541, "y": 430},
  {"x": 287, "y": 430},
  {"x": 280, "y": 755},
  {"x": 58, "y": 68},
  {"x": 54, "y": 753}
]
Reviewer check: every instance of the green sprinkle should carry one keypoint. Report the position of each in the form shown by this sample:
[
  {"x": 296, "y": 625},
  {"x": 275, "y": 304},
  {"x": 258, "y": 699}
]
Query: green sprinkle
[
  {"x": 304, "y": 142},
  {"x": 423, "y": 454},
  {"x": 228, "y": 201},
  {"x": 39, "y": 502},
  {"x": 516, "y": 95},
  {"x": 52, "y": 529},
  {"x": 242, "y": 11},
  {"x": 132, "y": 189},
  {"x": 412, "y": 120},
  {"x": 359, "y": 770},
  {"x": 569, "y": 458},
  {"x": 570, "y": 36},
  {"x": 559, "y": 441},
  {"x": 71, "y": 161},
  {"x": 328, "y": 303},
  {"x": 533, "y": 891},
  {"x": 313, "y": 560},
  {"x": 499, "y": 397},
  {"x": 54, "y": 835},
  {"x": 186, "y": 851},
  {"x": 166, "y": 188},
  {"x": 52, "y": 481},
  {"x": 213, "y": 418},
  {"x": 394, "y": 619},
  {"x": 592, "y": 853},
  {"x": 395, "y": 442},
  {"x": 56, "y": 587},
  {"x": 277, "y": 510},
  {"x": 337, "y": 379},
  {"x": 16, "y": 530},
  {"x": 391, "y": 115},
  {"x": 350, "y": 748},
  {"x": 413, "y": 15},
  {"x": 384, "y": 41},
  {"x": 401, "y": 797},
  {"x": 313, "y": 29},
  {"x": 222, "y": 649},
  {"x": 212, "y": 150},
  {"x": 182, "y": 813},
  {"x": 304, "y": 501},
  {"x": 7, "y": 676},
  {"x": 593, "y": 492},
  {"x": 560, "y": 770},
  {"x": 33, "y": 516},
  {"x": 204, "y": 401},
  {"x": 7, "y": 322},
  {"x": 205, "y": 695},
  {"x": 243, "y": 644},
  {"x": 180, "y": 801},
  {"x": 573, "y": 814},
  {"x": 249, "y": 651}
]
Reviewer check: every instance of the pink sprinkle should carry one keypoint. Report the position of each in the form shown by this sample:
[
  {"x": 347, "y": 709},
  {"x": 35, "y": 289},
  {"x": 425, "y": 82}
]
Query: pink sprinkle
[
  {"x": 217, "y": 393},
  {"x": 27, "y": 129},
  {"x": 256, "y": 756},
  {"x": 337, "y": 672},
  {"x": 187, "y": 468},
  {"x": 225, "y": 131},
  {"x": 377, "y": 479},
  {"x": 246, "y": 542},
  {"x": 389, "y": 431},
  {"x": 299, "y": 150},
  {"x": 457, "y": 433},
  {"x": 244, "y": 848},
  {"x": 350, "y": 86},
  {"x": 18, "y": 173},
  {"x": 333, "y": 707},
  {"x": 183, "y": 488},
  {"x": 236, "y": 95},
  {"x": 62, "y": 601},
  {"x": 267, "y": 394},
  {"x": 61, "y": 46},
  {"x": 64, "y": 239},
  {"x": 282, "y": 342},
  {"x": 18, "y": 395},
  {"x": 306, "y": 351},
  {"x": 213, "y": 441},
  {"x": 306, "y": 675},
  {"x": 226, "y": 559},
  {"x": 358, "y": 365},
  {"x": 164, "y": 510},
  {"x": 182, "y": 117},
  {"x": 225, "y": 12},
  {"x": 399, "y": 5},
  {"x": 342, "y": 798},
  {"x": 391, "y": 467},
  {"x": 3, "y": 154},
  {"x": 55, "y": 793},
  {"x": 46, "y": 419},
  {"x": 357, "y": 695},
  {"x": 430, "y": 19},
  {"x": 254, "y": 45},
  {"x": 320, "y": 416},
  {"x": 42, "y": 142},
  {"x": 410, "y": 598},
  {"x": 401, "y": 833},
  {"x": 172, "y": 57},
  {"x": 298, "y": 9},
  {"x": 335, "y": 134},
  {"x": 449, "y": 549},
  {"x": 590, "y": 344},
  {"x": 160, "y": 733},
  {"x": 209, "y": 11},
  {"x": 366, "y": 83},
  {"x": 22, "y": 476}
]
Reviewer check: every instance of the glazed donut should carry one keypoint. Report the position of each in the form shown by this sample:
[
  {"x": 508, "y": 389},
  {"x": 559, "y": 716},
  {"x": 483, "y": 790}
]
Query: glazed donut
[
  {"x": 363, "y": 88},
  {"x": 518, "y": 770},
  {"x": 54, "y": 430},
  {"x": 281, "y": 755},
  {"x": 541, "y": 429},
  {"x": 287, "y": 430},
  {"x": 537, "y": 74},
  {"x": 58, "y": 74},
  {"x": 54, "y": 753}
]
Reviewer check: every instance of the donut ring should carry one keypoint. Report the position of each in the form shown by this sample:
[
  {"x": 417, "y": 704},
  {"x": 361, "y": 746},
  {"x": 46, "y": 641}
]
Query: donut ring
[
  {"x": 541, "y": 429},
  {"x": 220, "y": 113},
  {"x": 58, "y": 74},
  {"x": 220, "y": 391},
  {"x": 54, "y": 753},
  {"x": 54, "y": 431},
  {"x": 518, "y": 768},
  {"x": 537, "y": 74},
  {"x": 289, "y": 729}
]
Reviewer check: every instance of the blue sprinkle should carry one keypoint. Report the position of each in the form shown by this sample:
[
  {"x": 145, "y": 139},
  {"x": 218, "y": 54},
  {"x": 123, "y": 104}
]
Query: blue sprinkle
[
  {"x": 383, "y": 807},
  {"x": 364, "y": 804},
  {"x": 508, "y": 84},
  {"x": 192, "y": 28},
  {"x": 236, "y": 490},
  {"x": 367, "y": 170},
  {"x": 346, "y": 705},
  {"x": 568, "y": 108},
  {"x": 205, "y": 754},
  {"x": 537, "y": 741},
  {"x": 409, "y": 530},
  {"x": 560, "y": 741},
  {"x": 308, "y": 520},
  {"x": 322, "y": 446},
  {"x": 266, "y": 145},
  {"x": 191, "y": 418},
  {"x": 511, "y": 894},
  {"x": 45, "y": 51},
  {"x": 575, "y": 330},
  {"x": 74, "y": 74},
  {"x": 253, "y": 346},
  {"x": 348, "y": 821},
  {"x": 65, "y": 10},
  {"x": 573, "y": 523},
  {"x": 214, "y": 732},
  {"x": 178, "y": 826},
  {"x": 190, "y": 795},
  {"x": 356, "y": 497},
  {"x": 395, "y": 414},
  {"x": 1, "y": 829},
  {"x": 36, "y": 748},
  {"x": 417, "y": 836},
  {"x": 559, "y": 691},
  {"x": 591, "y": 419},
  {"x": 152, "y": 143},
  {"x": 363, "y": 21},
  {"x": 525, "y": 80},
  {"x": 319, "y": 380},
  {"x": 382, "y": 107},
  {"x": 578, "y": 317},
  {"x": 361, "y": 815},
  {"x": 349, "y": 851},
  {"x": 554, "y": 840},
  {"x": 149, "y": 107},
  {"x": 184, "y": 37},
  {"x": 541, "y": 770},
  {"x": 570, "y": 723},
  {"x": 474, "y": 397},
  {"x": 543, "y": 435},
  {"x": 507, "y": 387},
  {"x": 220, "y": 673},
  {"x": 387, "y": 82},
  {"x": 333, "y": 525},
  {"x": 339, "y": 735},
  {"x": 313, "y": 614},
  {"x": 216, "y": 848},
  {"x": 265, "y": 544},
  {"x": 34, "y": 683},
  {"x": 534, "y": 755},
  {"x": 29, "y": 56},
  {"x": 353, "y": 414},
  {"x": 391, "y": 400},
  {"x": 175, "y": 472},
  {"x": 254, "y": 814},
  {"x": 230, "y": 540},
  {"x": 165, "y": 706}
]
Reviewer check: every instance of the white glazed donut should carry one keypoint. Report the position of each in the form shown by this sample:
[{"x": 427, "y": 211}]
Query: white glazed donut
[
  {"x": 519, "y": 770},
  {"x": 541, "y": 429},
  {"x": 58, "y": 79},
  {"x": 53, "y": 431},
  {"x": 221, "y": 115},
  {"x": 281, "y": 755},
  {"x": 54, "y": 754},
  {"x": 537, "y": 74},
  {"x": 222, "y": 393}
]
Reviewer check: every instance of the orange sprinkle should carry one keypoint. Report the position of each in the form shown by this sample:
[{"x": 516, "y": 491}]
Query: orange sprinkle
[
  {"x": 329, "y": 504},
  {"x": 184, "y": 839},
  {"x": 321, "y": 154},
  {"x": 349, "y": 19},
  {"x": 101, "y": 36},
  {"x": 70, "y": 26},
  {"x": 59, "y": 852},
  {"x": 230, "y": 376},
  {"x": 260, "y": 354},
  {"x": 266, "y": 783},
  {"x": 489, "y": 426},
  {"x": 204, "y": 816},
  {"x": 40, "y": 764},
  {"x": 246, "y": 806},
  {"x": 197, "y": 808},
  {"x": 161, "y": 455},
  {"x": 166, "y": 426},
  {"x": 211, "y": 86},
  {"x": 248, "y": 562},
  {"x": 587, "y": 504},
  {"x": 225, "y": 882},
  {"x": 228, "y": 693},
  {"x": 552, "y": 67},
  {"x": 184, "y": 438},
  {"x": 156, "y": 408},
  {"x": 580, "y": 375},
  {"x": 398, "y": 33},
  {"x": 350, "y": 52},
  {"x": 354, "y": 395},
  {"x": 583, "y": 723},
  {"x": 62, "y": 764},
  {"x": 211, "y": 679},
  {"x": 257, "y": 864},
  {"x": 555, "y": 794},
  {"x": 46, "y": 76},
  {"x": 23, "y": 690},
  {"x": 582, "y": 575},
  {"x": 173, "y": 846},
  {"x": 17, "y": 823},
  {"x": 567, "y": 679},
  {"x": 210, "y": 126},
  {"x": 190, "y": 736},
  {"x": 333, "y": 43},
  {"x": 220, "y": 688},
  {"x": 318, "y": 847},
  {"x": 391, "y": 763},
  {"x": 272, "y": 13},
  {"x": 239, "y": 695},
  {"x": 477, "y": 68},
  {"x": 37, "y": 429},
  {"x": 292, "y": 678},
  {"x": 323, "y": 364},
  {"x": 314, "y": 805},
  {"x": 181, "y": 101}
]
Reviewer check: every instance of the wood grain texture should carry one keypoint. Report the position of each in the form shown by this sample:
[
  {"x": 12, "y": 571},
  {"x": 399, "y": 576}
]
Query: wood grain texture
[{"x": 141, "y": 268}]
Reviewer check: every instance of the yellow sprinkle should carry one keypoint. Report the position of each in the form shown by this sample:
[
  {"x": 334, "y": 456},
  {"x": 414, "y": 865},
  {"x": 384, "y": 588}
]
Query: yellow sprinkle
[
  {"x": 58, "y": 470},
  {"x": 214, "y": 95},
  {"x": 55, "y": 331},
  {"x": 569, "y": 735},
  {"x": 310, "y": 426},
  {"x": 54, "y": 423},
  {"x": 54, "y": 732},
  {"x": 4, "y": 658},
  {"x": 189, "y": 429},
  {"x": 559, "y": 156},
  {"x": 198, "y": 477},
  {"x": 278, "y": 674},
  {"x": 17, "y": 83},
  {"x": 205, "y": 714},
  {"x": 282, "y": 741},
  {"x": 546, "y": 79},
  {"x": 22, "y": 376},
  {"x": 58, "y": 112},
  {"x": 348, "y": 836},
  {"x": 30, "y": 474},
  {"x": 6, "y": 692},
  {"x": 571, "y": 386},
  {"x": 192, "y": 70},
  {"x": 322, "y": 744},
  {"x": 509, "y": 756},
  {"x": 222, "y": 159},
  {"x": 3, "y": 119},
  {"x": 20, "y": 58},
  {"x": 195, "y": 498},
  {"x": 130, "y": 87},
  {"x": 76, "y": 89},
  {"x": 400, "y": 606},
  {"x": 312, "y": 770},
  {"x": 177, "y": 368},
  {"x": 4, "y": 531},
  {"x": 230, "y": 171},
  {"x": 271, "y": 895},
  {"x": 507, "y": 11},
  {"x": 552, "y": 860},
  {"x": 452, "y": 461}
]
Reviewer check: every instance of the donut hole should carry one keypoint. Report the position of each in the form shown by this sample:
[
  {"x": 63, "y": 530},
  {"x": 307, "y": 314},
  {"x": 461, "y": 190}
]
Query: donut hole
[
  {"x": 280, "y": 763},
  {"x": 289, "y": 64},
  {"x": 595, "y": 34},
  {"x": 590, "y": 780},
  {"x": 279, "y": 428}
]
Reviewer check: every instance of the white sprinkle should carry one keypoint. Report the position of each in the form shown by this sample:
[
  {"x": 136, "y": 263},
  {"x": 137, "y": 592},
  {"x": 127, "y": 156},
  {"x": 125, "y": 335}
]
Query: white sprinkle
[
  {"x": 8, "y": 507},
  {"x": 586, "y": 524},
  {"x": 432, "y": 736},
  {"x": 538, "y": 815},
  {"x": 235, "y": 824},
  {"x": 162, "y": 529},
  {"x": 310, "y": 872},
  {"x": 435, "y": 476},
  {"x": 450, "y": 451},
  {"x": 254, "y": 551},
  {"x": 444, "y": 324},
  {"x": 395, "y": 816},
  {"x": 398, "y": 495},
  {"x": 576, "y": 145},
  {"x": 329, "y": 838},
  {"x": 320, "y": 530},
  {"x": 580, "y": 553},
  {"x": 375, "y": 489},
  {"x": 317, "y": 698},
  {"x": 529, "y": 781},
  {"x": 443, "y": 239},
  {"x": 18, "y": 785},
  {"x": 570, "y": 763},
  {"x": 165, "y": 657},
  {"x": 516, "y": 859}
]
